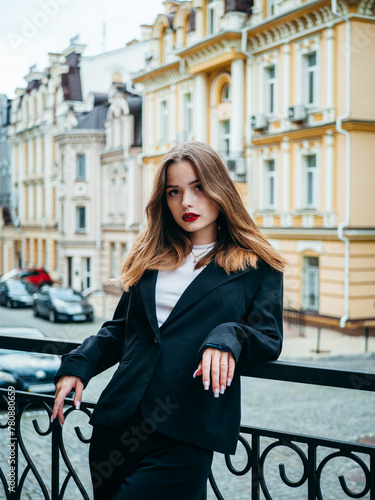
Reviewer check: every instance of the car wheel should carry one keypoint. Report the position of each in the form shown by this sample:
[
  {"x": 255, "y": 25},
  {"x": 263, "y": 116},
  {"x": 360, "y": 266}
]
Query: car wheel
[
  {"x": 9, "y": 304},
  {"x": 90, "y": 318},
  {"x": 52, "y": 316}
]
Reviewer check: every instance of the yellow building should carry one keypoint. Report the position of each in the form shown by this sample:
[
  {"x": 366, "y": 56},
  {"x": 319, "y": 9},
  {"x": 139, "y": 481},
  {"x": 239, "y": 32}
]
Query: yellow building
[{"x": 283, "y": 90}]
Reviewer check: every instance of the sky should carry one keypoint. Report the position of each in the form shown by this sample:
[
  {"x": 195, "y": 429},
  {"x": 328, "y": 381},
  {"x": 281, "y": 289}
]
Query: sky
[{"x": 29, "y": 29}]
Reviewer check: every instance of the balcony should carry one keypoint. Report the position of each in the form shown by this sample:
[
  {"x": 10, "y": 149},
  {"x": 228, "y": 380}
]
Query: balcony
[{"x": 43, "y": 465}]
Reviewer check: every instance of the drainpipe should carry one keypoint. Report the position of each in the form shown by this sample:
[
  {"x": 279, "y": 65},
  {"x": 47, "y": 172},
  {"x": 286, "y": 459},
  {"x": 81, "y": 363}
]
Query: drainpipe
[
  {"x": 140, "y": 157},
  {"x": 98, "y": 215},
  {"x": 248, "y": 168},
  {"x": 340, "y": 130}
]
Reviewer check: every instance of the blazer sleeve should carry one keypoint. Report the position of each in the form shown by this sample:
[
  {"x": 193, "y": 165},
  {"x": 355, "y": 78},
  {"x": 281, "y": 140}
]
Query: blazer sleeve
[
  {"x": 100, "y": 351},
  {"x": 258, "y": 335}
]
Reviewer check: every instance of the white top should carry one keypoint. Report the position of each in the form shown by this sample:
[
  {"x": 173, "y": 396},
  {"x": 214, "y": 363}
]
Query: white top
[{"x": 170, "y": 285}]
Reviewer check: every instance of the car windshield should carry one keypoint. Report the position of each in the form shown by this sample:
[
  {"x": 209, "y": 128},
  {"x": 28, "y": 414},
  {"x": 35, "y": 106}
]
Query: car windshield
[
  {"x": 65, "y": 294},
  {"x": 16, "y": 286},
  {"x": 11, "y": 274}
]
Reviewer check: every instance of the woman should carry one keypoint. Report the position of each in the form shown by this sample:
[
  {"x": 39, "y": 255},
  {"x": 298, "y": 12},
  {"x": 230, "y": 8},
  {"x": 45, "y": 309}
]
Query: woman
[{"x": 202, "y": 301}]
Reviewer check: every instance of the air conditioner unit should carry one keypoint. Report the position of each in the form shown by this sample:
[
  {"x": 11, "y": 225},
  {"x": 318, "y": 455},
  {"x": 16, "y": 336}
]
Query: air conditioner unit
[
  {"x": 297, "y": 113},
  {"x": 259, "y": 122},
  {"x": 236, "y": 165}
]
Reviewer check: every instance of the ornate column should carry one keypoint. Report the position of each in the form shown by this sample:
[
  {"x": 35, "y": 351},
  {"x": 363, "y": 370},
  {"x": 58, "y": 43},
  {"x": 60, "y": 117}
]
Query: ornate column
[
  {"x": 200, "y": 107},
  {"x": 286, "y": 217},
  {"x": 329, "y": 67},
  {"x": 329, "y": 171},
  {"x": 286, "y": 81},
  {"x": 237, "y": 96}
]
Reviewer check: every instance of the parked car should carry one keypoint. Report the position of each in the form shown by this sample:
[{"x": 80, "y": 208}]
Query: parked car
[
  {"x": 35, "y": 276},
  {"x": 16, "y": 293},
  {"x": 27, "y": 371},
  {"x": 61, "y": 304}
]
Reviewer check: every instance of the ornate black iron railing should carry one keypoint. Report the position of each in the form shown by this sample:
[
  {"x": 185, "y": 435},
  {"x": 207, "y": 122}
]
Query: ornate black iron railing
[{"x": 59, "y": 479}]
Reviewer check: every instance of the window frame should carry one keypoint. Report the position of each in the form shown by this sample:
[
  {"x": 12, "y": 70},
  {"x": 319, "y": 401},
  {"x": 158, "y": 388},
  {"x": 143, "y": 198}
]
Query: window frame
[
  {"x": 79, "y": 228},
  {"x": 266, "y": 177},
  {"x": 212, "y": 17},
  {"x": 164, "y": 120},
  {"x": 308, "y": 281},
  {"x": 79, "y": 176},
  {"x": 305, "y": 169},
  {"x": 310, "y": 74},
  {"x": 268, "y": 84}
]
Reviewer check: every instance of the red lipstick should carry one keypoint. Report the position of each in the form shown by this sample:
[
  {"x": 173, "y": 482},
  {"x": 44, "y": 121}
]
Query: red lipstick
[{"x": 190, "y": 217}]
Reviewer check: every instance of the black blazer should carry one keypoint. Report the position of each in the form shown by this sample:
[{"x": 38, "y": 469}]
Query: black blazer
[{"x": 241, "y": 311}]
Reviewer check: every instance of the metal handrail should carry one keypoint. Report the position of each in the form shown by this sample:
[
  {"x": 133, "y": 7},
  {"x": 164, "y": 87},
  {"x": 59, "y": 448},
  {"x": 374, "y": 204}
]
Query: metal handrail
[{"x": 272, "y": 370}]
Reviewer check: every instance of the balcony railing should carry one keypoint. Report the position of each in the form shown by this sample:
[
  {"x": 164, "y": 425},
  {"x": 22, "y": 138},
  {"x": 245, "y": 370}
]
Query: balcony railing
[{"x": 60, "y": 478}]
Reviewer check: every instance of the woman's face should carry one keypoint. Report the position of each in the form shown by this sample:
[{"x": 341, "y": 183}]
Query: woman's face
[{"x": 191, "y": 208}]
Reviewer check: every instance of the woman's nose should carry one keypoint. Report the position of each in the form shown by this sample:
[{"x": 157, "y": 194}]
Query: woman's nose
[{"x": 187, "y": 200}]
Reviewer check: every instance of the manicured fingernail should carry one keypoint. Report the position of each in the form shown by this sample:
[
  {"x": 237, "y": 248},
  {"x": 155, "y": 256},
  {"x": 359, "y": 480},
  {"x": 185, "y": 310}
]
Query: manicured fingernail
[
  {"x": 206, "y": 386},
  {"x": 222, "y": 389},
  {"x": 78, "y": 405},
  {"x": 51, "y": 419},
  {"x": 229, "y": 381},
  {"x": 61, "y": 425},
  {"x": 195, "y": 373},
  {"x": 216, "y": 395}
]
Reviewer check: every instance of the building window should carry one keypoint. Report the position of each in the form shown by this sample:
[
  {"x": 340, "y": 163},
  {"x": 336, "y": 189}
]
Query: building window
[
  {"x": 270, "y": 87},
  {"x": 81, "y": 167},
  {"x": 311, "y": 80},
  {"x": 226, "y": 93},
  {"x": 87, "y": 272},
  {"x": 310, "y": 284},
  {"x": 309, "y": 181},
  {"x": 114, "y": 201},
  {"x": 212, "y": 16},
  {"x": 81, "y": 220},
  {"x": 269, "y": 184},
  {"x": 114, "y": 260},
  {"x": 188, "y": 113},
  {"x": 272, "y": 7},
  {"x": 164, "y": 118},
  {"x": 225, "y": 137}
]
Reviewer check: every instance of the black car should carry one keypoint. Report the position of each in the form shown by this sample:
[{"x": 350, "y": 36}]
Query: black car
[
  {"x": 61, "y": 304},
  {"x": 16, "y": 293},
  {"x": 27, "y": 371}
]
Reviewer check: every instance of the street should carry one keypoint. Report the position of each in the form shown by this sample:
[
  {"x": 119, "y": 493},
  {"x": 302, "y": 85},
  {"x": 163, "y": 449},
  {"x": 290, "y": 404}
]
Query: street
[{"x": 319, "y": 411}]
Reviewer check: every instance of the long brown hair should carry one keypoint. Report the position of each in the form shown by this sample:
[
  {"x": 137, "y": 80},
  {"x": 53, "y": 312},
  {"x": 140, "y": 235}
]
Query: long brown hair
[{"x": 164, "y": 244}]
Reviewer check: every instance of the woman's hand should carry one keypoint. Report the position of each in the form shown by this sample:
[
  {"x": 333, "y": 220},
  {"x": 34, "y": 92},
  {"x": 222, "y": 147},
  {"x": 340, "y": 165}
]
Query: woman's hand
[
  {"x": 64, "y": 385},
  {"x": 217, "y": 366}
]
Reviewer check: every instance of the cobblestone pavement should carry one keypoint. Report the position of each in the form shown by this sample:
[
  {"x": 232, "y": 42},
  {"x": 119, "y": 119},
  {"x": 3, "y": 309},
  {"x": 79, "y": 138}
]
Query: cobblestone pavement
[{"x": 337, "y": 414}]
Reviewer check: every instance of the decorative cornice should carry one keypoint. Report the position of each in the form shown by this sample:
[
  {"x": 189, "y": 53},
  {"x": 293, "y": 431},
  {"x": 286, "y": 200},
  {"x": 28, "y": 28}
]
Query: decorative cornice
[
  {"x": 166, "y": 68},
  {"x": 218, "y": 53},
  {"x": 313, "y": 16},
  {"x": 208, "y": 42},
  {"x": 302, "y": 133}
]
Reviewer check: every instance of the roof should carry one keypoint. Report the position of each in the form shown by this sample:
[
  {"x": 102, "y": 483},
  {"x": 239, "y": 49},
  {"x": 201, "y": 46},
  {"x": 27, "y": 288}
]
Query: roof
[{"x": 94, "y": 120}]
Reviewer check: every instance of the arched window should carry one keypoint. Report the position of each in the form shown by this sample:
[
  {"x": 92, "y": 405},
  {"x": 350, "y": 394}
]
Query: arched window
[{"x": 226, "y": 93}]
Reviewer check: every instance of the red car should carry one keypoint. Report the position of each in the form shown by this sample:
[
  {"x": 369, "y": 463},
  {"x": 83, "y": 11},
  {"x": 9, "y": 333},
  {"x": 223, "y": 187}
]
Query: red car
[{"x": 35, "y": 276}]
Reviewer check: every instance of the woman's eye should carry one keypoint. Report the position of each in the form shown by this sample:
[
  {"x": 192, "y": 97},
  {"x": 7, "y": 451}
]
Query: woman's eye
[
  {"x": 198, "y": 187},
  {"x": 173, "y": 192}
]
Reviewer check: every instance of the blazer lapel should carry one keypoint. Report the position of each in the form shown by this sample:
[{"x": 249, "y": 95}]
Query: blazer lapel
[
  {"x": 147, "y": 286},
  {"x": 210, "y": 278}
]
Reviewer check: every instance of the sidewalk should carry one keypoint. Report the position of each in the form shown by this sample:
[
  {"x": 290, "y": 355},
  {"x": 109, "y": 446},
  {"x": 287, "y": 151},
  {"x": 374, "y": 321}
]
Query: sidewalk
[{"x": 332, "y": 343}]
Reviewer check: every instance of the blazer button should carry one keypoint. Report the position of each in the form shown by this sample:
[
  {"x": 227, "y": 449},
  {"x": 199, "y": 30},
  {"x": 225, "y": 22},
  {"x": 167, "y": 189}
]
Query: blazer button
[{"x": 155, "y": 340}]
